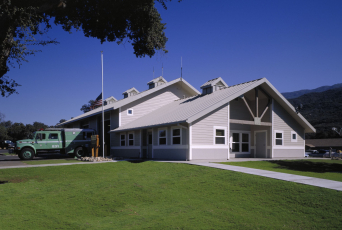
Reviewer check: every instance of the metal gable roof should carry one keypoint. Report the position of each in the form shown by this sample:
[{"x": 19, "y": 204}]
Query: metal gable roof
[
  {"x": 125, "y": 101},
  {"x": 184, "y": 110},
  {"x": 190, "y": 109}
]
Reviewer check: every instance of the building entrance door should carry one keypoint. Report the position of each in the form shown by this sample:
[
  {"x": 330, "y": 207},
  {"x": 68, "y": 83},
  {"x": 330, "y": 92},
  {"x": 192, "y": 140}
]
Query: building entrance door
[{"x": 260, "y": 144}]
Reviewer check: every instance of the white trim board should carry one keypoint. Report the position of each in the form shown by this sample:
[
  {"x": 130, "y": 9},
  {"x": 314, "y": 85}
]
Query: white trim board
[
  {"x": 209, "y": 147},
  {"x": 288, "y": 147},
  {"x": 170, "y": 146}
]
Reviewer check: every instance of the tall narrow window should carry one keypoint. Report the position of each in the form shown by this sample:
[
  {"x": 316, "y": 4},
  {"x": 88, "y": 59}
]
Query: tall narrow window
[
  {"x": 162, "y": 136},
  {"x": 236, "y": 142},
  {"x": 122, "y": 140},
  {"x": 220, "y": 136},
  {"x": 131, "y": 139},
  {"x": 176, "y": 136},
  {"x": 245, "y": 142},
  {"x": 279, "y": 138}
]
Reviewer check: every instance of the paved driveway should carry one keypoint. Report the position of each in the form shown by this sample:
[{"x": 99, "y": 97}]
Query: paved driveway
[{"x": 15, "y": 161}]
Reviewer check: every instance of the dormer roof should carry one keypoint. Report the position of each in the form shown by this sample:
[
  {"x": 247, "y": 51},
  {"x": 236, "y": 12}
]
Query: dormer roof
[
  {"x": 156, "y": 80},
  {"x": 131, "y": 90},
  {"x": 215, "y": 81},
  {"x": 110, "y": 99}
]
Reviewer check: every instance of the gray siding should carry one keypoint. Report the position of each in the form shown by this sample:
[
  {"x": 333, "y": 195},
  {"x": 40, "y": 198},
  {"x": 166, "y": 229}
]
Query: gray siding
[
  {"x": 241, "y": 127},
  {"x": 152, "y": 102},
  {"x": 209, "y": 154},
  {"x": 239, "y": 111},
  {"x": 170, "y": 154},
  {"x": 288, "y": 153},
  {"x": 202, "y": 129},
  {"x": 283, "y": 121}
]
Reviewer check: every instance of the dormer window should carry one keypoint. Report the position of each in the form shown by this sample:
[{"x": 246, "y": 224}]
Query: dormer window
[
  {"x": 213, "y": 85},
  {"x": 131, "y": 92},
  {"x": 207, "y": 90},
  {"x": 156, "y": 82}
]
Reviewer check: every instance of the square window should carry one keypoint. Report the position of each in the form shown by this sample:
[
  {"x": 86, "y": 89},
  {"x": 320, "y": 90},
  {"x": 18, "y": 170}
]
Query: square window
[
  {"x": 245, "y": 137},
  {"x": 245, "y": 147},
  {"x": 176, "y": 132},
  {"x": 219, "y": 140},
  {"x": 162, "y": 141},
  {"x": 235, "y": 147},
  {"x": 220, "y": 135},
  {"x": 279, "y": 138},
  {"x": 236, "y": 137},
  {"x": 220, "y": 132},
  {"x": 130, "y": 112},
  {"x": 162, "y": 133},
  {"x": 176, "y": 140}
]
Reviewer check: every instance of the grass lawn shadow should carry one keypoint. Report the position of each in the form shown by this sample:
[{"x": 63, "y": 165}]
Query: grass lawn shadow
[{"x": 308, "y": 166}]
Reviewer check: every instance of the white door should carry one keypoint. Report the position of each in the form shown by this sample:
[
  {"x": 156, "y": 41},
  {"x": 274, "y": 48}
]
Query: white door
[{"x": 260, "y": 145}]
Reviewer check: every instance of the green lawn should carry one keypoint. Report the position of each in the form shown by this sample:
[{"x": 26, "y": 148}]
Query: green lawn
[
  {"x": 325, "y": 169},
  {"x": 154, "y": 195},
  {"x": 55, "y": 161}
]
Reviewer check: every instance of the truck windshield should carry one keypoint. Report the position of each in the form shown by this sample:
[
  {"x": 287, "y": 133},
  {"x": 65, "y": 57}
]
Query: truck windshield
[{"x": 32, "y": 135}]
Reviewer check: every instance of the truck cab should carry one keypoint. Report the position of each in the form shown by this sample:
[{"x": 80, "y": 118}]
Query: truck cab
[{"x": 67, "y": 141}]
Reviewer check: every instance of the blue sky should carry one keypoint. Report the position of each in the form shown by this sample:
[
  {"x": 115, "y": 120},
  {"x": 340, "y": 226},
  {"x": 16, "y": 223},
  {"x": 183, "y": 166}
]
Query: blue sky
[{"x": 294, "y": 44}]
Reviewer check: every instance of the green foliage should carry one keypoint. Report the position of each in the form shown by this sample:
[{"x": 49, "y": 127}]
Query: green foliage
[
  {"x": 18, "y": 131},
  {"x": 154, "y": 195},
  {"x": 323, "y": 111},
  {"x": 136, "y": 21},
  {"x": 86, "y": 107}
]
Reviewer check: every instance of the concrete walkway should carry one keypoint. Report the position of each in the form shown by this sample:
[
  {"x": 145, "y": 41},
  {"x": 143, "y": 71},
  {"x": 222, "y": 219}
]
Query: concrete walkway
[{"x": 324, "y": 183}]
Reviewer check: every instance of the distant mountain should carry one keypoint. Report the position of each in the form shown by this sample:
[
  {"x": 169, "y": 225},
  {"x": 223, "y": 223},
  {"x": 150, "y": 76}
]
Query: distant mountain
[
  {"x": 299, "y": 93},
  {"x": 323, "y": 110}
]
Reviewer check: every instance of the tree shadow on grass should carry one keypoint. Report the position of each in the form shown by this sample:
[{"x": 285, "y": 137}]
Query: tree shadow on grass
[{"x": 308, "y": 166}]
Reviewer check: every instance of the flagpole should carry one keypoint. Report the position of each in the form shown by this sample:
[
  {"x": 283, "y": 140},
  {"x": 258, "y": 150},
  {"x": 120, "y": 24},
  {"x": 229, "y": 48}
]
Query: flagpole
[{"x": 103, "y": 139}]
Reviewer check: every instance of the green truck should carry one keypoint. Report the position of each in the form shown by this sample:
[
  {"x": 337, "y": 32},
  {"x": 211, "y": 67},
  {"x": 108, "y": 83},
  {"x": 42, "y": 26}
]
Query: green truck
[{"x": 67, "y": 141}]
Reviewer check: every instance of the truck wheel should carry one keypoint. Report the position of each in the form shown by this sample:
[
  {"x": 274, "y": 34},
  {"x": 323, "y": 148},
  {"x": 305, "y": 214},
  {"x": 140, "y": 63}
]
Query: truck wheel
[
  {"x": 79, "y": 152},
  {"x": 26, "y": 154}
]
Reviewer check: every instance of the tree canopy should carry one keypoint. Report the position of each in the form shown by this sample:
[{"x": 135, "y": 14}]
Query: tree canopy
[{"x": 135, "y": 21}]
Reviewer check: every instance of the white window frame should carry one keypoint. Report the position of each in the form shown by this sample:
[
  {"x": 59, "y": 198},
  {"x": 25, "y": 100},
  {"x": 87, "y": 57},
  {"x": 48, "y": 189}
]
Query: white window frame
[
  {"x": 123, "y": 134},
  {"x": 180, "y": 135},
  {"x": 130, "y": 139},
  {"x": 275, "y": 137},
  {"x": 225, "y": 134},
  {"x": 162, "y": 137},
  {"x": 129, "y": 113},
  {"x": 294, "y": 140},
  {"x": 240, "y": 132}
]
